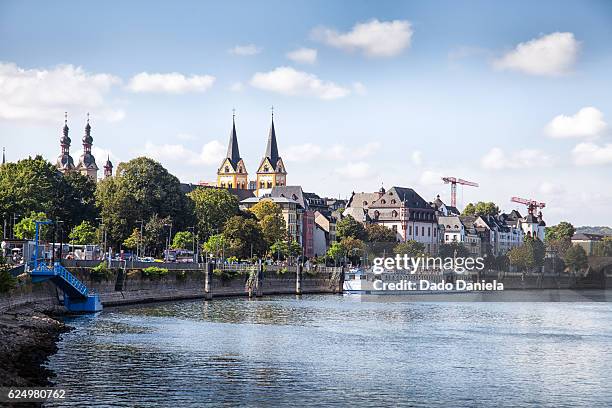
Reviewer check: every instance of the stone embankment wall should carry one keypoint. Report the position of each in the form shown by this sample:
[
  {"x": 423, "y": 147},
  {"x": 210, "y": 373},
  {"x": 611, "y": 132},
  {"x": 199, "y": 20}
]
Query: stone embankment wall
[{"x": 119, "y": 286}]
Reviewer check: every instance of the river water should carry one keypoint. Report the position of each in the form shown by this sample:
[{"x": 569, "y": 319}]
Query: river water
[{"x": 329, "y": 350}]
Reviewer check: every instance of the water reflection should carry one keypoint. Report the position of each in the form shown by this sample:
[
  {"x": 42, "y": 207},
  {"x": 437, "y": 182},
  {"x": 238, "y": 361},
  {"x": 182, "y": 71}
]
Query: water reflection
[{"x": 330, "y": 350}]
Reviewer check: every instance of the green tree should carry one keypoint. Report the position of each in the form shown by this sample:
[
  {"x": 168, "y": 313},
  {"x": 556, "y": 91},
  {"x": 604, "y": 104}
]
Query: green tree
[
  {"x": 155, "y": 235},
  {"x": 84, "y": 233},
  {"x": 563, "y": 230},
  {"x": 215, "y": 245},
  {"x": 603, "y": 248},
  {"x": 270, "y": 218},
  {"x": 452, "y": 250},
  {"x": 183, "y": 240},
  {"x": 558, "y": 245},
  {"x": 26, "y": 228},
  {"x": 481, "y": 208},
  {"x": 141, "y": 189},
  {"x": 411, "y": 248},
  {"x": 380, "y": 233},
  {"x": 576, "y": 259},
  {"x": 336, "y": 251},
  {"x": 133, "y": 240},
  {"x": 213, "y": 208},
  {"x": 528, "y": 256},
  {"x": 279, "y": 250},
  {"x": 242, "y": 236},
  {"x": 34, "y": 184},
  {"x": 349, "y": 227}
]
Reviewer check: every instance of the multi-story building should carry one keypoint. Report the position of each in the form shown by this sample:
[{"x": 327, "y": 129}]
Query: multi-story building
[
  {"x": 400, "y": 209},
  {"x": 307, "y": 216},
  {"x": 324, "y": 233}
]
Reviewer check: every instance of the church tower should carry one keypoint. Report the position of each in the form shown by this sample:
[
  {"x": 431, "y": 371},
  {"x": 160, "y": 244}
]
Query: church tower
[
  {"x": 232, "y": 173},
  {"x": 108, "y": 168},
  {"x": 65, "y": 163},
  {"x": 271, "y": 171},
  {"x": 87, "y": 163}
]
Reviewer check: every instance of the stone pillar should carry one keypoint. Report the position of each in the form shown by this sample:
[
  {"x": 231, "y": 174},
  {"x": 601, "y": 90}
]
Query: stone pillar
[
  {"x": 298, "y": 279},
  {"x": 208, "y": 293},
  {"x": 259, "y": 280},
  {"x": 340, "y": 287}
]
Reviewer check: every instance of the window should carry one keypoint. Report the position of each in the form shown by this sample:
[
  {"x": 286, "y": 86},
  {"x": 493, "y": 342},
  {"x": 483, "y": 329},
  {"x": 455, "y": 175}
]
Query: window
[
  {"x": 435, "y": 232},
  {"x": 227, "y": 169},
  {"x": 376, "y": 214},
  {"x": 365, "y": 203},
  {"x": 266, "y": 169},
  {"x": 261, "y": 184},
  {"x": 410, "y": 230},
  {"x": 269, "y": 184},
  {"x": 229, "y": 185},
  {"x": 383, "y": 202},
  {"x": 416, "y": 231},
  {"x": 394, "y": 228},
  {"x": 240, "y": 169},
  {"x": 394, "y": 213},
  {"x": 429, "y": 231},
  {"x": 423, "y": 231},
  {"x": 392, "y": 201}
]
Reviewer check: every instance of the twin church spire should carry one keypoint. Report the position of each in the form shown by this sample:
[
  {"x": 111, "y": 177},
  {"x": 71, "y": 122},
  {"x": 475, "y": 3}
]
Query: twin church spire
[
  {"x": 271, "y": 171},
  {"x": 87, "y": 163}
]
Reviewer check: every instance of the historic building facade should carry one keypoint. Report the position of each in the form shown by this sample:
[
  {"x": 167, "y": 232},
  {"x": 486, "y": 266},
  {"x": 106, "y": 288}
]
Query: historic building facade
[
  {"x": 271, "y": 171},
  {"x": 87, "y": 163}
]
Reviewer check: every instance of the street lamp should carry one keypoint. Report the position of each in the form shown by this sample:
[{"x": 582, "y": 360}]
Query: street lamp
[
  {"x": 168, "y": 241},
  {"x": 139, "y": 243}
]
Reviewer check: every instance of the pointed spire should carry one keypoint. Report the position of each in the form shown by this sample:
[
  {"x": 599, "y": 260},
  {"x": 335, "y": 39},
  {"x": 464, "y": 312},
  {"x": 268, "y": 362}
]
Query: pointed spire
[
  {"x": 272, "y": 148},
  {"x": 233, "y": 153},
  {"x": 66, "y": 124},
  {"x": 87, "y": 126}
]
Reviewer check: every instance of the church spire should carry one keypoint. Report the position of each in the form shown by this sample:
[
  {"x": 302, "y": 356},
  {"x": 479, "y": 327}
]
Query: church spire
[
  {"x": 233, "y": 153},
  {"x": 272, "y": 148}
]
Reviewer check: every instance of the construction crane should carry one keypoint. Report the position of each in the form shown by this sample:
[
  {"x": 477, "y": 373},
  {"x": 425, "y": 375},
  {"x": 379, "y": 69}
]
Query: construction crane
[
  {"x": 453, "y": 182},
  {"x": 531, "y": 204}
]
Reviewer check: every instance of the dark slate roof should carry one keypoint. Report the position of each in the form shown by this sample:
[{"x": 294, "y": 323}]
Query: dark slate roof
[
  {"x": 410, "y": 197},
  {"x": 531, "y": 219},
  {"x": 87, "y": 137},
  {"x": 272, "y": 148},
  {"x": 453, "y": 210},
  {"x": 587, "y": 237},
  {"x": 65, "y": 162},
  {"x": 233, "y": 153},
  {"x": 294, "y": 193}
]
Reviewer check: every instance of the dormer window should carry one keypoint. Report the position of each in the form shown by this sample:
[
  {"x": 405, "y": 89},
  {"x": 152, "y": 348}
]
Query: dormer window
[
  {"x": 393, "y": 201},
  {"x": 383, "y": 202},
  {"x": 365, "y": 203}
]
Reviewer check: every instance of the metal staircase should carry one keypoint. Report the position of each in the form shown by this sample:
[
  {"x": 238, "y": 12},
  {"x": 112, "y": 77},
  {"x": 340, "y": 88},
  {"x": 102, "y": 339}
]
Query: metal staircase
[{"x": 77, "y": 297}]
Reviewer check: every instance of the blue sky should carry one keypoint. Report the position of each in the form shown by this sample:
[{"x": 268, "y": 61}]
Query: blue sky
[{"x": 513, "y": 95}]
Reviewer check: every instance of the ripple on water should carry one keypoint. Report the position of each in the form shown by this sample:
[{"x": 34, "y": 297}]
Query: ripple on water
[{"x": 331, "y": 350}]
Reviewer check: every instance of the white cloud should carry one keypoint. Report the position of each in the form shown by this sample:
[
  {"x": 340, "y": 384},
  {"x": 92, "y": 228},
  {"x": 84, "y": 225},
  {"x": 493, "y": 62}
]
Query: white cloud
[
  {"x": 303, "y": 55},
  {"x": 308, "y": 152},
  {"x": 417, "y": 157},
  {"x": 551, "y": 189},
  {"x": 185, "y": 136},
  {"x": 552, "y": 54},
  {"x": 354, "y": 170},
  {"x": 245, "y": 50},
  {"x": 497, "y": 159},
  {"x": 174, "y": 83},
  {"x": 587, "y": 122},
  {"x": 430, "y": 178},
  {"x": 589, "y": 154},
  {"x": 236, "y": 87},
  {"x": 44, "y": 94},
  {"x": 210, "y": 153},
  {"x": 288, "y": 81},
  {"x": 359, "y": 88},
  {"x": 374, "y": 38}
]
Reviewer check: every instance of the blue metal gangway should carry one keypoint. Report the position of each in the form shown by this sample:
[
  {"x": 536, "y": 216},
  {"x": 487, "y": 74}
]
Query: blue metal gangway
[{"x": 77, "y": 297}]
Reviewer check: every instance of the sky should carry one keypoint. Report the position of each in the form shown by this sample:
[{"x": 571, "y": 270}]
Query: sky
[{"x": 515, "y": 96}]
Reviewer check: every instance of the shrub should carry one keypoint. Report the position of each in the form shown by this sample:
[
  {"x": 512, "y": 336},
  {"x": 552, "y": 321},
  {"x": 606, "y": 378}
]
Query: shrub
[
  {"x": 154, "y": 272},
  {"x": 101, "y": 272},
  {"x": 7, "y": 281},
  {"x": 226, "y": 275},
  {"x": 282, "y": 271}
]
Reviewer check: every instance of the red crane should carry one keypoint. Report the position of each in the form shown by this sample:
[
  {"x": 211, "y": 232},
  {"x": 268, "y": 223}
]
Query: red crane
[
  {"x": 453, "y": 182},
  {"x": 531, "y": 204}
]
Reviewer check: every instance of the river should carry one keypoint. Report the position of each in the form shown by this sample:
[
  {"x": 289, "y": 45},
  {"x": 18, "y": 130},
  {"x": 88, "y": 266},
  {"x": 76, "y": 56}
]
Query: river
[{"x": 329, "y": 350}]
